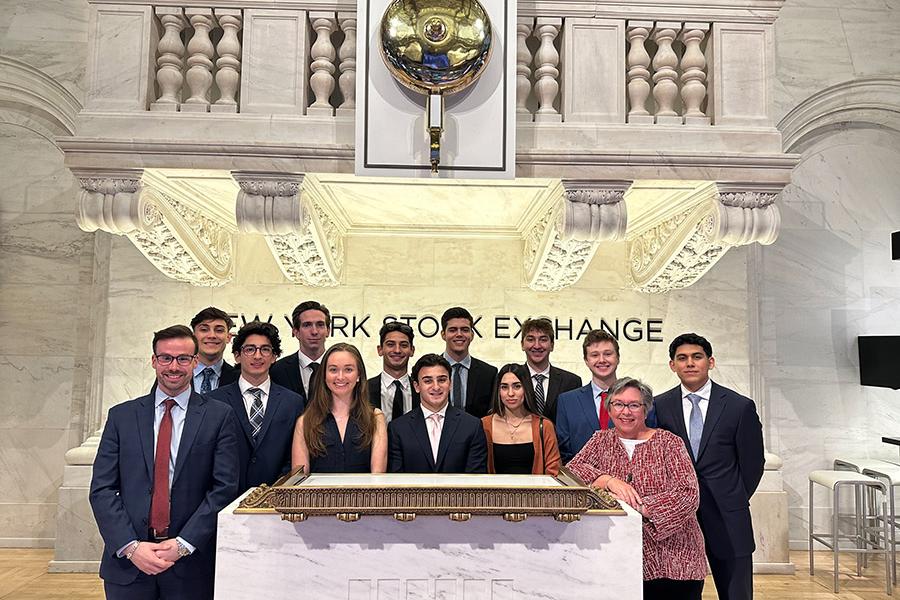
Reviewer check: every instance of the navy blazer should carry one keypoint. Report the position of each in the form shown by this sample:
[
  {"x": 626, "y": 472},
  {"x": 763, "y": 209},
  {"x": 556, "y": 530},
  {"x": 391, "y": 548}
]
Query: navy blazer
[
  {"x": 480, "y": 387},
  {"x": 461, "y": 449},
  {"x": 268, "y": 457},
  {"x": 229, "y": 374},
  {"x": 375, "y": 392},
  {"x": 286, "y": 373},
  {"x": 561, "y": 381},
  {"x": 729, "y": 465},
  {"x": 577, "y": 420},
  {"x": 205, "y": 482}
]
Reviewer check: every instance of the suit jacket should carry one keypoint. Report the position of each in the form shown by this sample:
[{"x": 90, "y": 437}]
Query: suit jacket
[
  {"x": 375, "y": 392},
  {"x": 461, "y": 449},
  {"x": 205, "y": 482},
  {"x": 286, "y": 373},
  {"x": 561, "y": 381},
  {"x": 480, "y": 387},
  {"x": 229, "y": 374},
  {"x": 268, "y": 457},
  {"x": 729, "y": 465},
  {"x": 577, "y": 420}
]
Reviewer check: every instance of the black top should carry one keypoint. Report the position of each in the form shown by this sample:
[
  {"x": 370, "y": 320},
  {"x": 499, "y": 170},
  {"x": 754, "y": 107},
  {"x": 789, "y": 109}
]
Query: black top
[
  {"x": 514, "y": 459},
  {"x": 342, "y": 457}
]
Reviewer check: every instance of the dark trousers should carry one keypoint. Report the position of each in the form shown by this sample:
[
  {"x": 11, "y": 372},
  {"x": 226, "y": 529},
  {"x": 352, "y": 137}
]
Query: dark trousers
[
  {"x": 165, "y": 586},
  {"x": 733, "y": 577},
  {"x": 673, "y": 589}
]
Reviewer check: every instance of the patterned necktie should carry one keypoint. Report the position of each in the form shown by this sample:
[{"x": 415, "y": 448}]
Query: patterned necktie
[
  {"x": 457, "y": 386},
  {"x": 206, "y": 384},
  {"x": 256, "y": 411},
  {"x": 539, "y": 392},
  {"x": 434, "y": 428},
  {"x": 159, "y": 501},
  {"x": 603, "y": 414},
  {"x": 695, "y": 432},
  {"x": 397, "y": 407},
  {"x": 313, "y": 367}
]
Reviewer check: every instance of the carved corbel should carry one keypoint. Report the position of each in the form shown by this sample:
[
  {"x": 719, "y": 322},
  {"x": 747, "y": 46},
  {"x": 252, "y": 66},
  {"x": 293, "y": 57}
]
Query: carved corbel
[
  {"x": 560, "y": 244},
  {"x": 305, "y": 239},
  {"x": 176, "y": 236},
  {"x": 678, "y": 251}
]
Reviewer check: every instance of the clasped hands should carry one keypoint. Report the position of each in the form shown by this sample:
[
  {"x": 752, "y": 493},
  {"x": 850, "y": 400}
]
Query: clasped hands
[
  {"x": 153, "y": 559},
  {"x": 622, "y": 491}
]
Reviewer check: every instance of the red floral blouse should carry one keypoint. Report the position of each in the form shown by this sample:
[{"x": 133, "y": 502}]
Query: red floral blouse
[{"x": 662, "y": 474}]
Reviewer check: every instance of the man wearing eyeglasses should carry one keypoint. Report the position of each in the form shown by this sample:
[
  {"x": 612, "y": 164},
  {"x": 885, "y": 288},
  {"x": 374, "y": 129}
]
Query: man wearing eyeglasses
[
  {"x": 166, "y": 465},
  {"x": 265, "y": 410},
  {"x": 311, "y": 325}
]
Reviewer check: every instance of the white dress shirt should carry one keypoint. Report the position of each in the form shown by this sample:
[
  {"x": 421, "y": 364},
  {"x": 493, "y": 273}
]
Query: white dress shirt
[
  {"x": 435, "y": 442},
  {"x": 248, "y": 398},
  {"x": 387, "y": 395},
  {"x": 687, "y": 405},
  {"x": 544, "y": 384}
]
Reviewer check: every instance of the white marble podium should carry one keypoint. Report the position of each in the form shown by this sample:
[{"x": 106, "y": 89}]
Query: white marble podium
[{"x": 431, "y": 557}]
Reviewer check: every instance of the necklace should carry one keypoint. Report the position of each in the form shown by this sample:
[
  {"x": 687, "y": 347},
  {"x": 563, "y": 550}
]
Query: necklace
[{"x": 513, "y": 429}]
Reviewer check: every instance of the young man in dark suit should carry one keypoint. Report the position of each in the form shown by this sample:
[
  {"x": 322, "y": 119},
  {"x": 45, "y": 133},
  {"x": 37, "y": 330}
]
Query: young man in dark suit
[
  {"x": 548, "y": 381},
  {"x": 311, "y": 325},
  {"x": 212, "y": 328},
  {"x": 392, "y": 390},
  {"x": 471, "y": 380},
  {"x": 167, "y": 463},
  {"x": 436, "y": 437},
  {"x": 723, "y": 435},
  {"x": 265, "y": 411}
]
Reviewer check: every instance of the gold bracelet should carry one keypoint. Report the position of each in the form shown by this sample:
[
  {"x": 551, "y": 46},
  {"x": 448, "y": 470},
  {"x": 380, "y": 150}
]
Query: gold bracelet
[{"x": 134, "y": 548}]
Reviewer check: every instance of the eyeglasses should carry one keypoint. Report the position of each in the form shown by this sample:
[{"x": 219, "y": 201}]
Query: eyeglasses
[
  {"x": 250, "y": 350},
  {"x": 183, "y": 360},
  {"x": 632, "y": 406}
]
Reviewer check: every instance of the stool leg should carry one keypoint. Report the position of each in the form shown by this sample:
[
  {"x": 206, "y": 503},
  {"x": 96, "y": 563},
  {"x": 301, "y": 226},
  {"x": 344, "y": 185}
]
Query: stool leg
[
  {"x": 811, "y": 567},
  {"x": 893, "y": 526},
  {"x": 887, "y": 565},
  {"x": 859, "y": 514},
  {"x": 834, "y": 532}
]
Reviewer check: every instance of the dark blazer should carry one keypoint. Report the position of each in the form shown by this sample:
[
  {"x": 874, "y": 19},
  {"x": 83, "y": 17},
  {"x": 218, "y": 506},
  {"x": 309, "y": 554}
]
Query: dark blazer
[
  {"x": 480, "y": 387},
  {"x": 229, "y": 374},
  {"x": 729, "y": 465},
  {"x": 205, "y": 481},
  {"x": 561, "y": 381},
  {"x": 286, "y": 373},
  {"x": 375, "y": 392},
  {"x": 462, "y": 447},
  {"x": 269, "y": 456},
  {"x": 577, "y": 420}
]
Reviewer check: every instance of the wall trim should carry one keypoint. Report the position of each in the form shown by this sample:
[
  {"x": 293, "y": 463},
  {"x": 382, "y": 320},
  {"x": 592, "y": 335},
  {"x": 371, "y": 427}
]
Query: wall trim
[{"x": 21, "y": 84}]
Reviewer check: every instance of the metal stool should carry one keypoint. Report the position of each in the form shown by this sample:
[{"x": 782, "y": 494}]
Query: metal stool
[
  {"x": 891, "y": 476},
  {"x": 858, "y": 465},
  {"x": 835, "y": 480}
]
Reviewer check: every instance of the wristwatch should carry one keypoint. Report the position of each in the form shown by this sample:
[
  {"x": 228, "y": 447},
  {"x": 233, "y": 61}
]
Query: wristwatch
[{"x": 182, "y": 549}]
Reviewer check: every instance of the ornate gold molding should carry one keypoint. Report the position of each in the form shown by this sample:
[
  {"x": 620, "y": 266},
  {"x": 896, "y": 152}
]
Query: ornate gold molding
[{"x": 176, "y": 237}]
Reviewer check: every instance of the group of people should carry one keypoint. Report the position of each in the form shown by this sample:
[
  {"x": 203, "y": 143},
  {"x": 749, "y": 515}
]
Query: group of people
[{"x": 687, "y": 461}]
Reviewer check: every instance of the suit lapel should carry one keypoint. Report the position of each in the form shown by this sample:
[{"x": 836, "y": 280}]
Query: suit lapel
[
  {"x": 673, "y": 402},
  {"x": 715, "y": 409},
  {"x": 552, "y": 387},
  {"x": 471, "y": 384},
  {"x": 587, "y": 405},
  {"x": 420, "y": 430},
  {"x": 272, "y": 405},
  {"x": 146, "y": 410},
  {"x": 240, "y": 411},
  {"x": 192, "y": 421},
  {"x": 448, "y": 430}
]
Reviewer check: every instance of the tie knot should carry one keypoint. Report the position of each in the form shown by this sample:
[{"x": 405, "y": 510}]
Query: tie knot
[
  {"x": 208, "y": 372},
  {"x": 170, "y": 402},
  {"x": 257, "y": 393},
  {"x": 313, "y": 366},
  {"x": 695, "y": 399},
  {"x": 436, "y": 418},
  {"x": 540, "y": 377},
  {"x": 397, "y": 384}
]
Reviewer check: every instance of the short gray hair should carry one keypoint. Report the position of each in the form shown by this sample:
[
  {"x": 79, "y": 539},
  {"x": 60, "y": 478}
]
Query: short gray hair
[{"x": 629, "y": 382}]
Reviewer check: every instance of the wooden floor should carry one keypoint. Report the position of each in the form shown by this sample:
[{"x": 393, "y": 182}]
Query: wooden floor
[{"x": 23, "y": 576}]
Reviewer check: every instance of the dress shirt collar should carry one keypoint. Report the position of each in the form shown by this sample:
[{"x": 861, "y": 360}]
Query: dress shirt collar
[
  {"x": 305, "y": 360},
  {"x": 246, "y": 385},
  {"x": 545, "y": 372},
  {"x": 704, "y": 392},
  {"x": 466, "y": 362},
  {"x": 181, "y": 399},
  {"x": 217, "y": 367},
  {"x": 597, "y": 389},
  {"x": 443, "y": 412},
  {"x": 387, "y": 382}
]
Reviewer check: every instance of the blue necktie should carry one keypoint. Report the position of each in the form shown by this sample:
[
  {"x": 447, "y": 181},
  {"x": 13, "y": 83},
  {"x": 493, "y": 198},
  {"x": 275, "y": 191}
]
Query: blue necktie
[
  {"x": 458, "y": 402},
  {"x": 206, "y": 384},
  {"x": 695, "y": 431}
]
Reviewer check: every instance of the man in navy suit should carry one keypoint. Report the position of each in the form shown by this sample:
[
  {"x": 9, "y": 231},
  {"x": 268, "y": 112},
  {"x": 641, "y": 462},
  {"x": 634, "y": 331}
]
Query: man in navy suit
[
  {"x": 311, "y": 325},
  {"x": 212, "y": 328},
  {"x": 581, "y": 412},
  {"x": 392, "y": 390},
  {"x": 436, "y": 437},
  {"x": 723, "y": 435},
  {"x": 166, "y": 465},
  {"x": 471, "y": 380},
  {"x": 548, "y": 381},
  {"x": 265, "y": 411}
]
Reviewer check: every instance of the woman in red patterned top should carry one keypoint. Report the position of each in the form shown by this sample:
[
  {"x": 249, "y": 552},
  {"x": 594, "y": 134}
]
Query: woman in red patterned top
[{"x": 650, "y": 470}]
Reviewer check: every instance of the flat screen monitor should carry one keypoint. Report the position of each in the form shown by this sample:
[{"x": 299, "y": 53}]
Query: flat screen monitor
[{"x": 879, "y": 360}]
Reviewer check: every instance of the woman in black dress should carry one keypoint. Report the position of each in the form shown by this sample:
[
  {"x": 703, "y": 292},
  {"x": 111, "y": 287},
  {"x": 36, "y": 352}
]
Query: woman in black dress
[{"x": 340, "y": 432}]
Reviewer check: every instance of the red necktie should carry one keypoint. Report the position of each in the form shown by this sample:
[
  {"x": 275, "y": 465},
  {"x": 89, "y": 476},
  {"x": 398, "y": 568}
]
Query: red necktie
[
  {"x": 603, "y": 416},
  {"x": 159, "y": 504}
]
